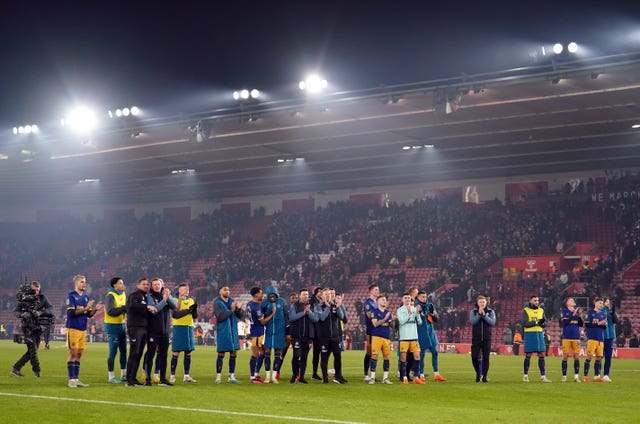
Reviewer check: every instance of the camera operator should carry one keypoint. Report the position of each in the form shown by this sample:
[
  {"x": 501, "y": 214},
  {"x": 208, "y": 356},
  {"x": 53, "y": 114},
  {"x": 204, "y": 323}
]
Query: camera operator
[{"x": 34, "y": 311}]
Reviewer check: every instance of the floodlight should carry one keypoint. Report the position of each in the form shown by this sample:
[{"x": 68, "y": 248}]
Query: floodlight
[
  {"x": 236, "y": 95},
  {"x": 313, "y": 84},
  {"x": 135, "y": 110},
  {"x": 82, "y": 120},
  {"x": 254, "y": 94},
  {"x": 27, "y": 129},
  {"x": 118, "y": 113},
  {"x": 572, "y": 47},
  {"x": 21, "y": 130},
  {"x": 244, "y": 94},
  {"x": 110, "y": 114},
  {"x": 126, "y": 111},
  {"x": 558, "y": 48},
  {"x": 15, "y": 130}
]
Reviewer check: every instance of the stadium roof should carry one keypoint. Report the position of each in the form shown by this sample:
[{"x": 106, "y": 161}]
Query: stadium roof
[{"x": 570, "y": 116}]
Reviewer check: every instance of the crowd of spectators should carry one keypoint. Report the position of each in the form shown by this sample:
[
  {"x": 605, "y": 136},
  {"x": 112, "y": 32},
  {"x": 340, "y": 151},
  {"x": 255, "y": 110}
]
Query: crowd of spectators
[{"x": 330, "y": 244}]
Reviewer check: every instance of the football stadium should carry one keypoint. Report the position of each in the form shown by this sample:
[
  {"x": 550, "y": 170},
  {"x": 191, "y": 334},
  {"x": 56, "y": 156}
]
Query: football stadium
[{"x": 191, "y": 246}]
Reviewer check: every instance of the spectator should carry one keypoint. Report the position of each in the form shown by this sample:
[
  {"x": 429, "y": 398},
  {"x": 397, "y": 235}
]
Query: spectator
[
  {"x": 517, "y": 341},
  {"x": 507, "y": 336}
]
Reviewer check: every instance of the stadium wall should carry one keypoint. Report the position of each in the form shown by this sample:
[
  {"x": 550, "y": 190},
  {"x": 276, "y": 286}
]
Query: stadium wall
[{"x": 477, "y": 190}]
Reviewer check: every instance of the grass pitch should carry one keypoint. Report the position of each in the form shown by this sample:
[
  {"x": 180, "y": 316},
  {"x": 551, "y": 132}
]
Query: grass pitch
[{"x": 504, "y": 399}]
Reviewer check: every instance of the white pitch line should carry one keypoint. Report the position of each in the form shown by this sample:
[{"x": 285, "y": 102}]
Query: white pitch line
[{"x": 179, "y": 408}]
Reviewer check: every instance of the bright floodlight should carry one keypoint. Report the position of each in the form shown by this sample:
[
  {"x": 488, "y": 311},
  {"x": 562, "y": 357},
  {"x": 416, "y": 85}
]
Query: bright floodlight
[
  {"x": 313, "y": 84},
  {"x": 27, "y": 129},
  {"x": 82, "y": 120},
  {"x": 118, "y": 113},
  {"x": 236, "y": 95},
  {"x": 125, "y": 111},
  {"x": 15, "y": 130},
  {"x": 572, "y": 47},
  {"x": 35, "y": 129},
  {"x": 21, "y": 130},
  {"x": 557, "y": 48},
  {"x": 135, "y": 110},
  {"x": 244, "y": 94},
  {"x": 254, "y": 94}
]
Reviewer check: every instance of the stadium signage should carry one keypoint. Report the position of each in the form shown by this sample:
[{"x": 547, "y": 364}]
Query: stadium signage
[{"x": 615, "y": 195}]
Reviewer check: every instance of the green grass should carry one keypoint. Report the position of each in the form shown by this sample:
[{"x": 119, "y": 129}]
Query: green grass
[{"x": 504, "y": 399}]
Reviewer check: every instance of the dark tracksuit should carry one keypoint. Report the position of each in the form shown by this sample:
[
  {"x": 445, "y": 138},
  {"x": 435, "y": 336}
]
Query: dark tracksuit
[
  {"x": 329, "y": 318},
  {"x": 159, "y": 334},
  {"x": 137, "y": 323},
  {"x": 481, "y": 327},
  {"x": 302, "y": 327},
  {"x": 315, "y": 361}
]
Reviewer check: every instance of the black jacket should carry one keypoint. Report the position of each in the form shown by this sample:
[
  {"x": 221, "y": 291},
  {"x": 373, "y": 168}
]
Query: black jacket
[
  {"x": 160, "y": 322},
  {"x": 137, "y": 313},
  {"x": 303, "y": 327},
  {"x": 329, "y": 318},
  {"x": 481, "y": 326}
]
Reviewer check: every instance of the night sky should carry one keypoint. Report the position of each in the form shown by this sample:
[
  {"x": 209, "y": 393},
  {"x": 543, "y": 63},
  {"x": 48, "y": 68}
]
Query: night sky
[{"x": 191, "y": 56}]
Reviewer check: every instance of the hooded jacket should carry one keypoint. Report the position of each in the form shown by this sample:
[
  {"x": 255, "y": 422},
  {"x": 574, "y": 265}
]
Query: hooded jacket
[
  {"x": 427, "y": 337},
  {"x": 274, "y": 329}
]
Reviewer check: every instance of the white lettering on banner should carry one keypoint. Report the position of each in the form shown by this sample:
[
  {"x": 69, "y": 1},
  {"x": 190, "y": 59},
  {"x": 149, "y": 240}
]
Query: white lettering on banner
[
  {"x": 613, "y": 196},
  {"x": 531, "y": 263},
  {"x": 446, "y": 348}
]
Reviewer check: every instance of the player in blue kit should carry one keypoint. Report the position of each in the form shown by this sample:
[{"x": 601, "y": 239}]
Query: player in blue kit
[
  {"x": 595, "y": 323},
  {"x": 381, "y": 319},
  {"x": 369, "y": 306},
  {"x": 79, "y": 309},
  {"x": 256, "y": 331},
  {"x": 273, "y": 310},
  {"x": 571, "y": 322}
]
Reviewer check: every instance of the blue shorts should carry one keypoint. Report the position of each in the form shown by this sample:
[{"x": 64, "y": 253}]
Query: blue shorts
[
  {"x": 183, "y": 338},
  {"x": 534, "y": 342}
]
